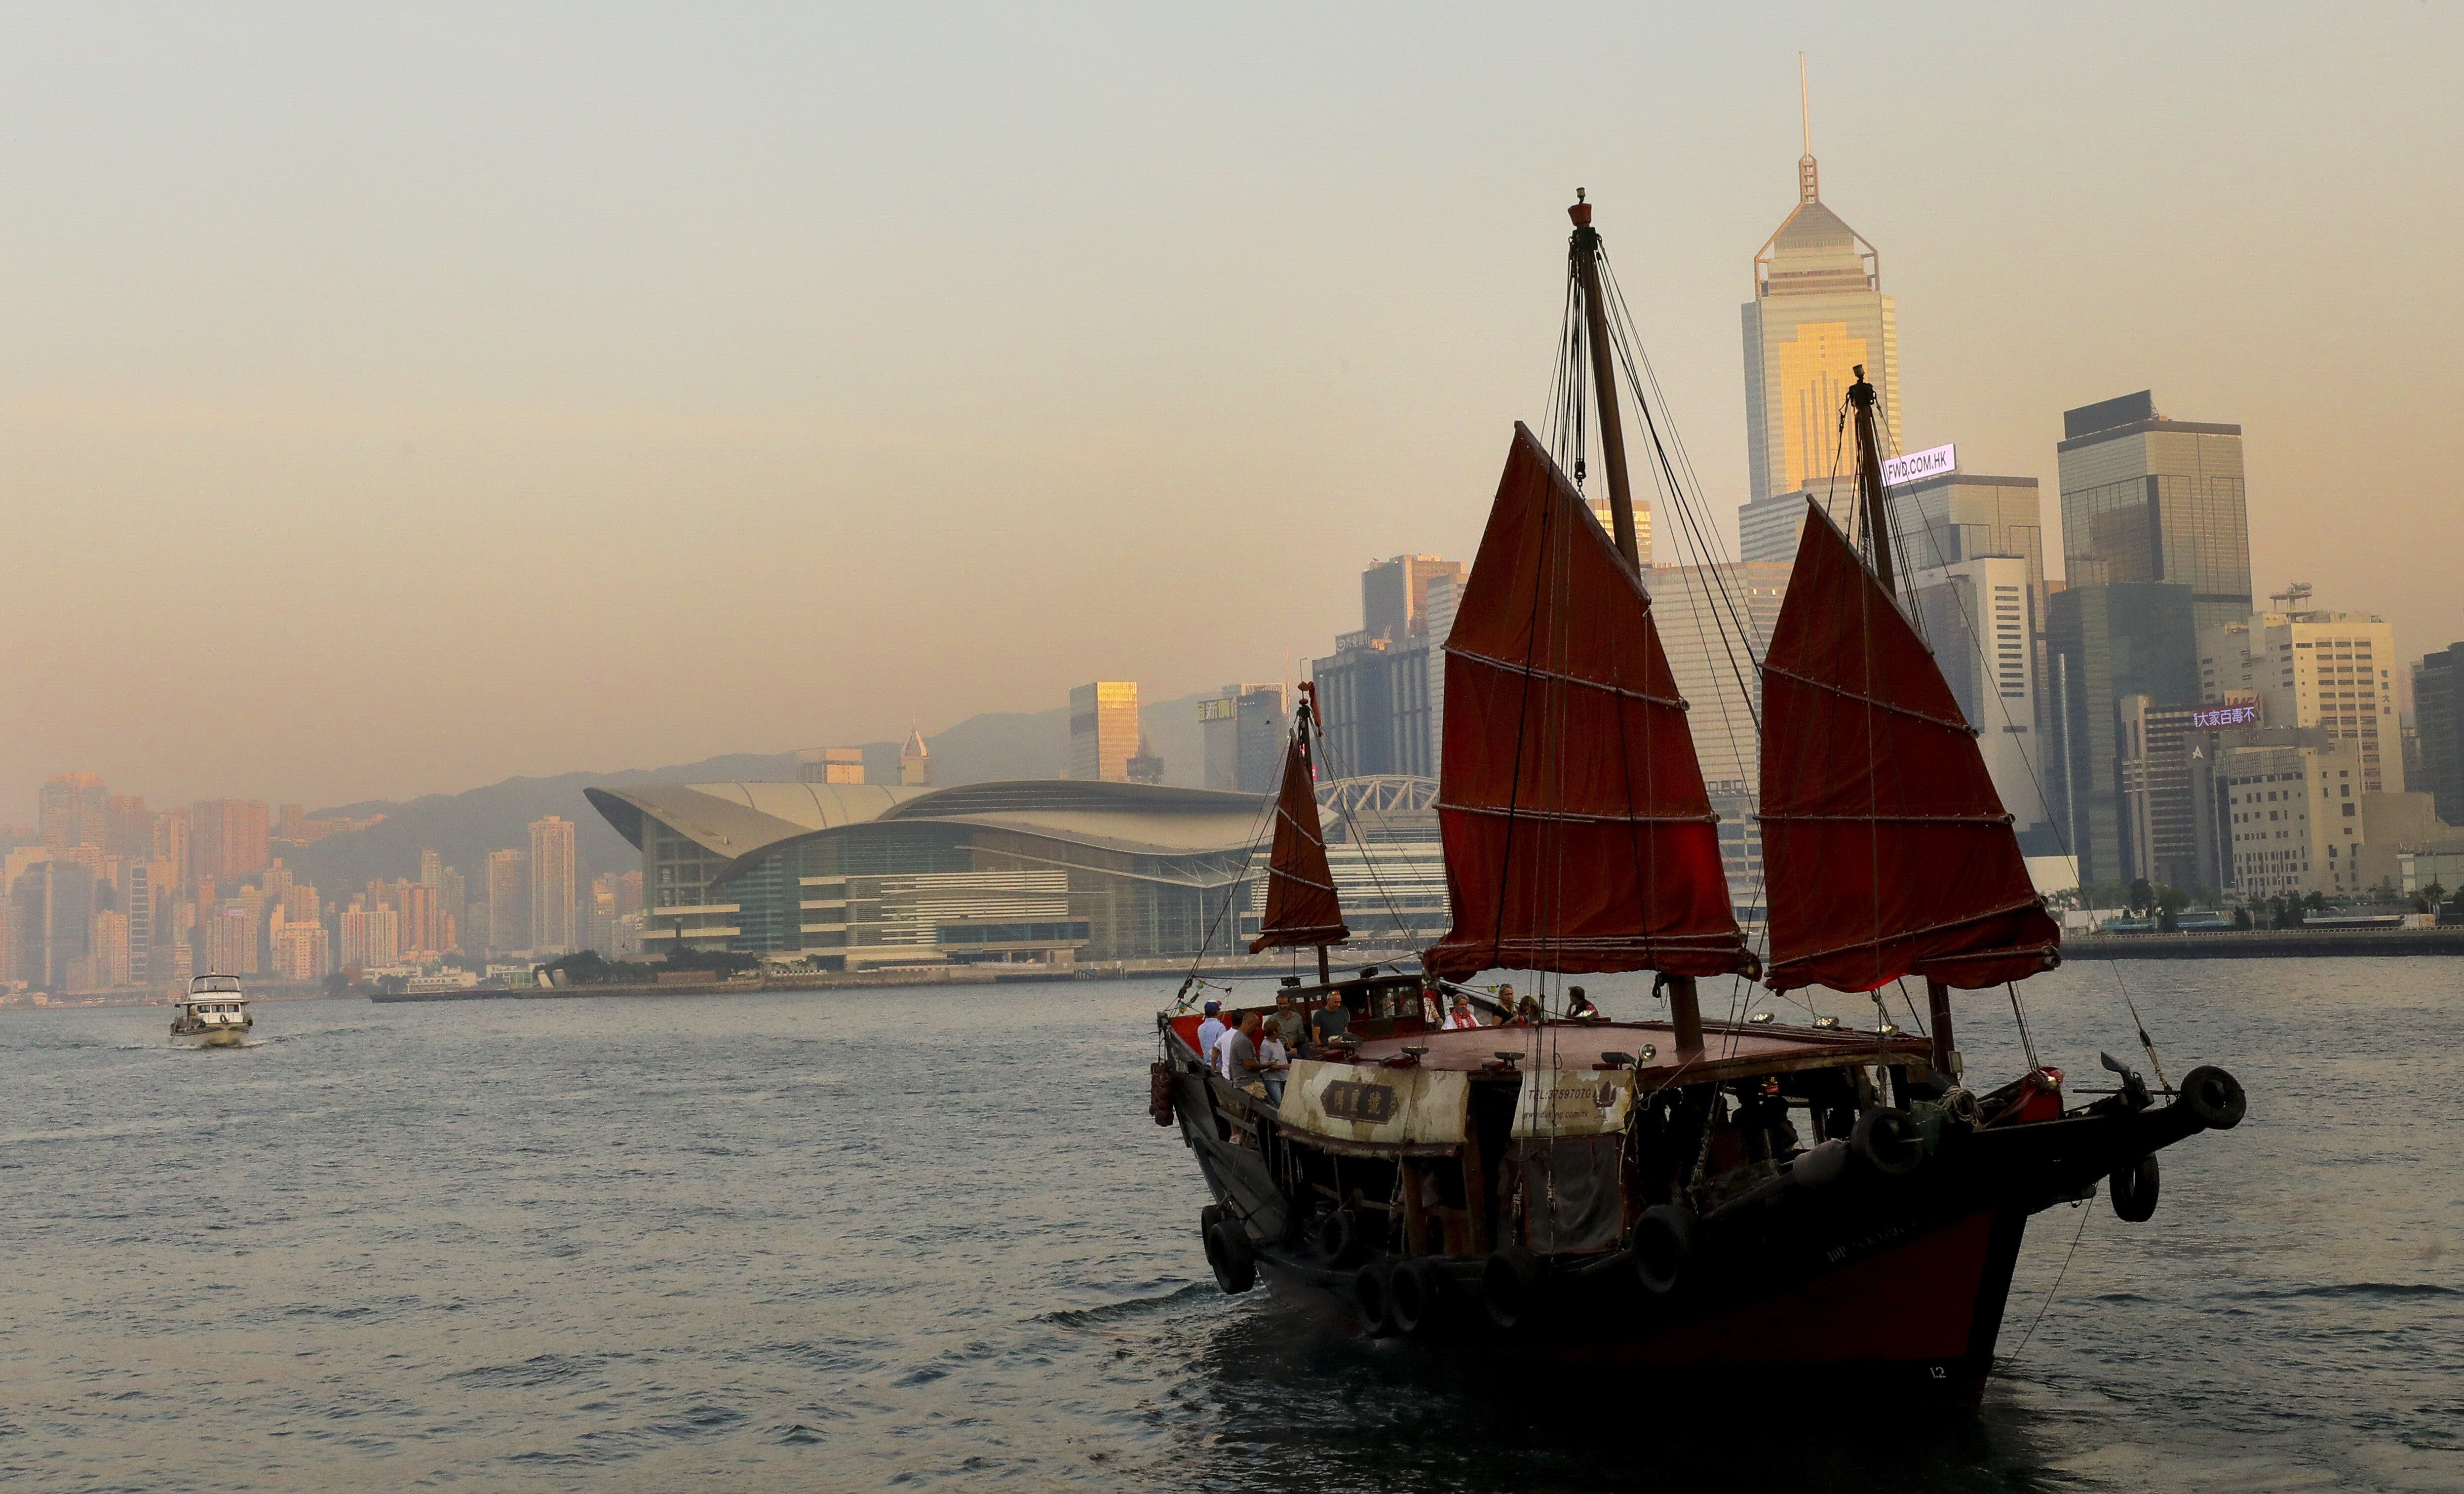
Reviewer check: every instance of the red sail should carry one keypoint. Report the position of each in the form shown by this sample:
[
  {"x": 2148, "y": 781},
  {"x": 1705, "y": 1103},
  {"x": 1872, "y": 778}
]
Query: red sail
[
  {"x": 1577, "y": 834},
  {"x": 1886, "y": 851},
  {"x": 1301, "y": 904}
]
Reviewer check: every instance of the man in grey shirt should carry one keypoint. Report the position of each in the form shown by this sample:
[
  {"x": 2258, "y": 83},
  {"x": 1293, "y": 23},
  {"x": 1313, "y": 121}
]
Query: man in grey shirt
[
  {"x": 1329, "y": 1022},
  {"x": 1239, "y": 1050}
]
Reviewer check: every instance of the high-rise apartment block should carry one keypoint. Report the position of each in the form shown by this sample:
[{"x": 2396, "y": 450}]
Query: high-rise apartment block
[
  {"x": 301, "y": 948},
  {"x": 2331, "y": 670},
  {"x": 1242, "y": 728},
  {"x": 2145, "y": 499},
  {"x": 2438, "y": 709},
  {"x": 229, "y": 840},
  {"x": 552, "y": 890},
  {"x": 371, "y": 936},
  {"x": 1103, "y": 730},
  {"x": 1818, "y": 311},
  {"x": 74, "y": 810},
  {"x": 508, "y": 900}
]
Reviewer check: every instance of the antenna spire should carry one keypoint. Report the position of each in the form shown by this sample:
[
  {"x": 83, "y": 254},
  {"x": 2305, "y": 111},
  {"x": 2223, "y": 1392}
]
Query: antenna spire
[{"x": 1809, "y": 184}]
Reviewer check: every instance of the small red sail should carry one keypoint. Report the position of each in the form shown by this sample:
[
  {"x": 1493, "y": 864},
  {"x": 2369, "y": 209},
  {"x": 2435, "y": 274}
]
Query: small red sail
[
  {"x": 1301, "y": 904},
  {"x": 1578, "y": 833},
  {"x": 1885, "y": 851}
]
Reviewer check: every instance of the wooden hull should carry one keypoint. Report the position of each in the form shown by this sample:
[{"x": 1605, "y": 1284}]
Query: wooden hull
[{"x": 1916, "y": 1320}]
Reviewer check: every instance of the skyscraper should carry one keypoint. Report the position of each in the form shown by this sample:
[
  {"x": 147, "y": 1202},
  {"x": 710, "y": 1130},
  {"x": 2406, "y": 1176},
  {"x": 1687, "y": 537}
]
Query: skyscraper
[
  {"x": 2148, "y": 498},
  {"x": 1241, "y": 729},
  {"x": 1394, "y": 595},
  {"x": 916, "y": 761},
  {"x": 508, "y": 899},
  {"x": 2438, "y": 705},
  {"x": 2109, "y": 641},
  {"x": 1103, "y": 730},
  {"x": 552, "y": 891},
  {"x": 1818, "y": 311},
  {"x": 76, "y": 810}
]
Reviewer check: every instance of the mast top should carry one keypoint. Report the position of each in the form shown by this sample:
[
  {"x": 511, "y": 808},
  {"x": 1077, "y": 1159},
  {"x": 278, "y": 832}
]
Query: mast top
[{"x": 1581, "y": 211}]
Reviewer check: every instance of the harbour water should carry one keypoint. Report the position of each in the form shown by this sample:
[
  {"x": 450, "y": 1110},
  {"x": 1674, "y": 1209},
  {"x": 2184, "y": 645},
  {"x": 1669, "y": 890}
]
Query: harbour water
[{"x": 931, "y": 1240}]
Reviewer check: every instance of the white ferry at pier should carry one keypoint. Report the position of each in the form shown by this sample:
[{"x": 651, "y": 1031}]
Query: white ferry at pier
[{"x": 214, "y": 1014}]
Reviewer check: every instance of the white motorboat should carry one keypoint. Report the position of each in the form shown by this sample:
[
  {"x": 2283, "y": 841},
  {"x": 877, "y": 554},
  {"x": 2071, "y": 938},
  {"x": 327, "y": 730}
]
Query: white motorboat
[{"x": 214, "y": 1014}]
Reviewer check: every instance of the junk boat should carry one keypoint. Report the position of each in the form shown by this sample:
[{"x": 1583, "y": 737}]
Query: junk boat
[
  {"x": 1689, "y": 1199},
  {"x": 214, "y": 1014}
]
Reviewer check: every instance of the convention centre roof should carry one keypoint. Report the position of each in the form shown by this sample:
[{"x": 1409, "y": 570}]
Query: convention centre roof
[{"x": 746, "y": 822}]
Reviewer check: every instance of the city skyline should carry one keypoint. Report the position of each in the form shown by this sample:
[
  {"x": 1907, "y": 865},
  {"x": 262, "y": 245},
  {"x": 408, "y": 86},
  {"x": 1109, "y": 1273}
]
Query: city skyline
[{"x": 478, "y": 373}]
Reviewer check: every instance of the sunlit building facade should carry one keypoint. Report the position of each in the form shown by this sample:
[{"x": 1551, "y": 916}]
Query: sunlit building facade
[
  {"x": 1103, "y": 730},
  {"x": 2145, "y": 499},
  {"x": 1819, "y": 312}
]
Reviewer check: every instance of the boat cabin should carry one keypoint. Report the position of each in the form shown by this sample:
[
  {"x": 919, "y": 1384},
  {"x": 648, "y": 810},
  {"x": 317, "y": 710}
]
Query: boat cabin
[{"x": 1556, "y": 1136}]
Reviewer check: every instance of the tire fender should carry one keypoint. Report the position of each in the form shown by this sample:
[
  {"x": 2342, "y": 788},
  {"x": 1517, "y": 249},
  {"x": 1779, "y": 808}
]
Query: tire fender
[
  {"x": 1661, "y": 1246},
  {"x": 2133, "y": 1190}
]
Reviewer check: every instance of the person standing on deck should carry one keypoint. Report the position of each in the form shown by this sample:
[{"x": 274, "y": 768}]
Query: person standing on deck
[
  {"x": 1329, "y": 1022},
  {"x": 1209, "y": 1032},
  {"x": 1274, "y": 1063}
]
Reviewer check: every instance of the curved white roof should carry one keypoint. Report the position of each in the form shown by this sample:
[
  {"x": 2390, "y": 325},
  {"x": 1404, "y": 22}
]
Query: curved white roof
[{"x": 742, "y": 821}]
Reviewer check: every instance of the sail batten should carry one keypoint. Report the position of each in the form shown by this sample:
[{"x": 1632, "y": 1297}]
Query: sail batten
[
  {"x": 1578, "y": 836},
  {"x": 1887, "y": 851},
  {"x": 1301, "y": 904}
]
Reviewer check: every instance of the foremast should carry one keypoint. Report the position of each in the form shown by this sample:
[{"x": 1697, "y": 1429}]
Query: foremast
[{"x": 1302, "y": 905}]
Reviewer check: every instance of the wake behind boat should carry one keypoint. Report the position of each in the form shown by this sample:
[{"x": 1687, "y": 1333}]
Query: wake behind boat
[
  {"x": 1679, "y": 1197},
  {"x": 214, "y": 1014}
]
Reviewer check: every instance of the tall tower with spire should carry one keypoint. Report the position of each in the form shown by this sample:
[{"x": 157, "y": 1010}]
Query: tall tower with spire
[
  {"x": 915, "y": 760},
  {"x": 1818, "y": 311}
]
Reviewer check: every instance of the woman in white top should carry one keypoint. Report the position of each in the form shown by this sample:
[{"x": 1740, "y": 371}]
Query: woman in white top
[{"x": 1274, "y": 1065}]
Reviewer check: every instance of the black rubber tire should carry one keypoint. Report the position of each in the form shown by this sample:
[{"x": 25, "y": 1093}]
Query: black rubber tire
[
  {"x": 2134, "y": 1190},
  {"x": 1372, "y": 1300},
  {"x": 1885, "y": 1141},
  {"x": 2216, "y": 1098},
  {"x": 1660, "y": 1246},
  {"x": 1416, "y": 1294},
  {"x": 1341, "y": 1238},
  {"x": 1510, "y": 1286},
  {"x": 1228, "y": 1251},
  {"x": 1208, "y": 1217}
]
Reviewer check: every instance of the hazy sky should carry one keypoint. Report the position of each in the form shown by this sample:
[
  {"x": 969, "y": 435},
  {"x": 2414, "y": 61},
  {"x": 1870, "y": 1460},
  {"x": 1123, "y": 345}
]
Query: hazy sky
[{"x": 393, "y": 400}]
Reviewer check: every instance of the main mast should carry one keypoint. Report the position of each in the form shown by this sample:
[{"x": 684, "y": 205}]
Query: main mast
[
  {"x": 1585, "y": 250},
  {"x": 1684, "y": 1006},
  {"x": 1877, "y": 548}
]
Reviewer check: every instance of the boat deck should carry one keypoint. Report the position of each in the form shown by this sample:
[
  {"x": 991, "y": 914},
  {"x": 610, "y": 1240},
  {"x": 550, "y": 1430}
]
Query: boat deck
[{"x": 1729, "y": 1050}]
